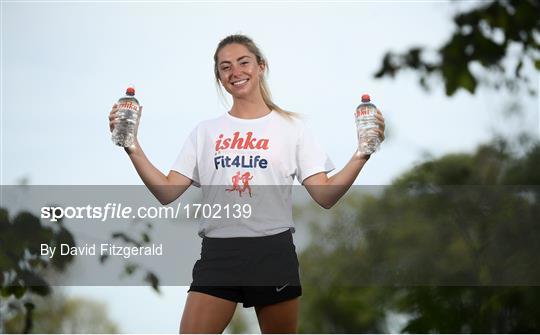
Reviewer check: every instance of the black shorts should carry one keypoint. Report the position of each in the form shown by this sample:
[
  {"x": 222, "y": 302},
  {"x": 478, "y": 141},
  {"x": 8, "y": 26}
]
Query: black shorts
[{"x": 256, "y": 271}]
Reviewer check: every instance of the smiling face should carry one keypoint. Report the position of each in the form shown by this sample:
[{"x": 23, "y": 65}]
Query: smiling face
[{"x": 239, "y": 70}]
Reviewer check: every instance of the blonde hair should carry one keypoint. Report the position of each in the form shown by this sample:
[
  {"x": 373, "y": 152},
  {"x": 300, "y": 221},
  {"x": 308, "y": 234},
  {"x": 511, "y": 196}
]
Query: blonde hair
[{"x": 252, "y": 47}]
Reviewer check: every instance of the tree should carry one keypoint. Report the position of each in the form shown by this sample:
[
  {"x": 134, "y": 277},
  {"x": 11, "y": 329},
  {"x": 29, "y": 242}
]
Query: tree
[
  {"x": 449, "y": 256},
  {"x": 443, "y": 255},
  {"x": 21, "y": 267},
  {"x": 55, "y": 313},
  {"x": 24, "y": 274},
  {"x": 497, "y": 36}
]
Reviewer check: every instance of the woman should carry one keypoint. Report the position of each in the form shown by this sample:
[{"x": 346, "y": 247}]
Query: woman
[{"x": 256, "y": 143}]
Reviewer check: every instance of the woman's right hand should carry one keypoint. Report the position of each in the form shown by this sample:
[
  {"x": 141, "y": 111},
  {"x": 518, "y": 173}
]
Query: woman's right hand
[{"x": 114, "y": 120}]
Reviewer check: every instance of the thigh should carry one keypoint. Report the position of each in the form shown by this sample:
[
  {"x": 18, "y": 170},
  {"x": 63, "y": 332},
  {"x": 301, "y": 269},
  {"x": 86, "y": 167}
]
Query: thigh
[
  {"x": 204, "y": 313},
  {"x": 278, "y": 318}
]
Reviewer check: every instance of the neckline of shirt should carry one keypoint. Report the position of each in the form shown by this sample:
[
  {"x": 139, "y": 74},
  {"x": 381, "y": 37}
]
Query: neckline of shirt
[{"x": 259, "y": 119}]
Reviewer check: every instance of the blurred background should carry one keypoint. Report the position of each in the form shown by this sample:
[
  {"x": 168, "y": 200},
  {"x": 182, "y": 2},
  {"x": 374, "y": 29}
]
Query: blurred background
[{"x": 457, "y": 82}]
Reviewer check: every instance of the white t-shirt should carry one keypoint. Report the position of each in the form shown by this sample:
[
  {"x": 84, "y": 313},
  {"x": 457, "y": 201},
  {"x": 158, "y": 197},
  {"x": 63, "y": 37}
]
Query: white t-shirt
[{"x": 250, "y": 161}]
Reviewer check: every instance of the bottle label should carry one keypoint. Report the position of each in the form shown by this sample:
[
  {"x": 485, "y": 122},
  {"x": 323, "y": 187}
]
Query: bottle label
[
  {"x": 128, "y": 105},
  {"x": 365, "y": 111}
]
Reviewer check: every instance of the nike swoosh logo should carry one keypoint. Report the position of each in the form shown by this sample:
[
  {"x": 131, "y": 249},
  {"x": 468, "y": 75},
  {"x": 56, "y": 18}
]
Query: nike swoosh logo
[{"x": 278, "y": 289}]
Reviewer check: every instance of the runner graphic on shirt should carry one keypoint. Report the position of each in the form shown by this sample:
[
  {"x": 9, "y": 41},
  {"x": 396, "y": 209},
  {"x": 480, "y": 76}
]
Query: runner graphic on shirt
[
  {"x": 246, "y": 177},
  {"x": 235, "y": 182}
]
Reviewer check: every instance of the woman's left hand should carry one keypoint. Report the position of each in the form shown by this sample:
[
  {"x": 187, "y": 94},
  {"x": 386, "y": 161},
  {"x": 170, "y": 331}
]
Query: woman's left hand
[{"x": 379, "y": 130}]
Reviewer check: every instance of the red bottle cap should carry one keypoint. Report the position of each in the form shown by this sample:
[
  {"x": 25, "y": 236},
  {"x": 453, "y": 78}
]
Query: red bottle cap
[
  {"x": 130, "y": 91},
  {"x": 366, "y": 98}
]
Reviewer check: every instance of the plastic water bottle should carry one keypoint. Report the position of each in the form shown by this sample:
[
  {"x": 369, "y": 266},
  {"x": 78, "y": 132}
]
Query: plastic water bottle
[
  {"x": 366, "y": 126},
  {"x": 128, "y": 111}
]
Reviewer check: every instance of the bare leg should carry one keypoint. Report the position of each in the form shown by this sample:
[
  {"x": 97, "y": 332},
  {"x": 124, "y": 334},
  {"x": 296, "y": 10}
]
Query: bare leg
[
  {"x": 207, "y": 314},
  {"x": 279, "y": 318}
]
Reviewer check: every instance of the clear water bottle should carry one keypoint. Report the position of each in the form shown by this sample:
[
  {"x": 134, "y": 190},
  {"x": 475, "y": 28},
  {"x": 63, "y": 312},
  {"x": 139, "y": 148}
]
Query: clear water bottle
[
  {"x": 128, "y": 111},
  {"x": 366, "y": 126}
]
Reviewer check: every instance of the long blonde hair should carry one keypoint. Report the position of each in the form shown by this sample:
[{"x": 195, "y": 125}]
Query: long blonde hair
[{"x": 252, "y": 47}]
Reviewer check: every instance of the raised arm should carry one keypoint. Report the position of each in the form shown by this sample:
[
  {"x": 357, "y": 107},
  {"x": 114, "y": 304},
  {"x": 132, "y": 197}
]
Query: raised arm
[
  {"x": 326, "y": 191},
  {"x": 165, "y": 188}
]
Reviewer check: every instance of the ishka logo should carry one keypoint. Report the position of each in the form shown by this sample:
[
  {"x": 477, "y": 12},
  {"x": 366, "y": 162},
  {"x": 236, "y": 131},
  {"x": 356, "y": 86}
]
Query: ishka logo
[
  {"x": 238, "y": 142},
  {"x": 128, "y": 105},
  {"x": 245, "y": 178},
  {"x": 234, "y": 152}
]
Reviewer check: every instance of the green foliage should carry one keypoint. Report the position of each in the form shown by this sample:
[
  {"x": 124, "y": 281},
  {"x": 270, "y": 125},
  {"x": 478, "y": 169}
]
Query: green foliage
[
  {"x": 483, "y": 38},
  {"x": 442, "y": 245},
  {"x": 21, "y": 266},
  {"x": 473, "y": 310},
  {"x": 57, "y": 314},
  {"x": 238, "y": 324},
  {"x": 22, "y": 269},
  {"x": 24, "y": 272},
  {"x": 524, "y": 171},
  {"x": 129, "y": 268}
]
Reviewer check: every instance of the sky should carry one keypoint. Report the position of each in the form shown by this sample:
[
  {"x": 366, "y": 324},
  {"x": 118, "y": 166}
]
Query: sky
[{"x": 65, "y": 63}]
